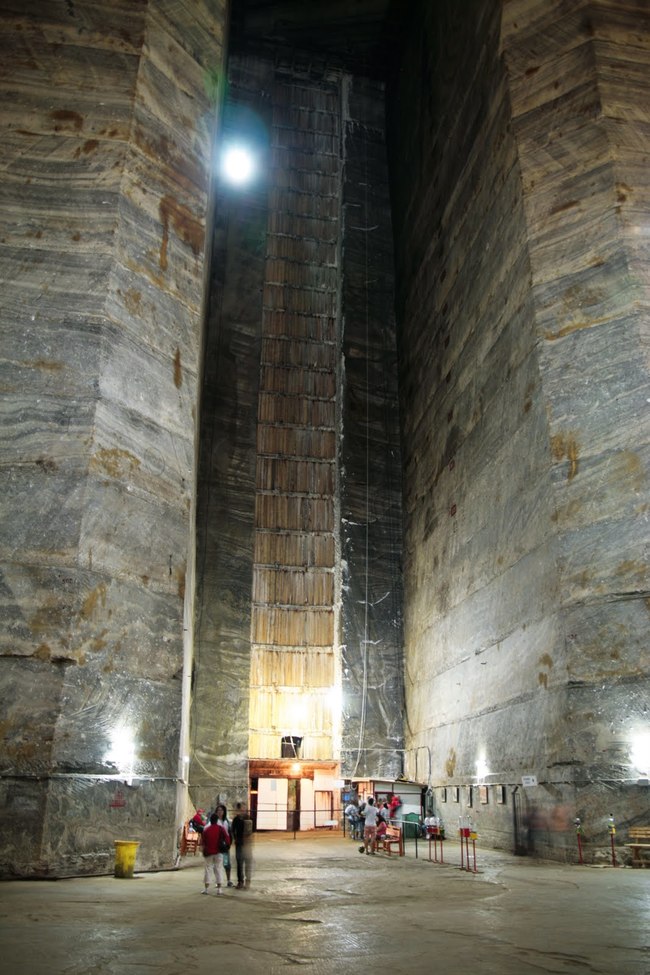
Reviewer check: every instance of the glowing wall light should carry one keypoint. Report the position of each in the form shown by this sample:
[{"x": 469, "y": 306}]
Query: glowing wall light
[
  {"x": 122, "y": 751},
  {"x": 481, "y": 768},
  {"x": 640, "y": 753},
  {"x": 238, "y": 165}
]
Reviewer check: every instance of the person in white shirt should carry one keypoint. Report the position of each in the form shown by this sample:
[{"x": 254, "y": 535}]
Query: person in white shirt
[
  {"x": 353, "y": 817},
  {"x": 370, "y": 828}
]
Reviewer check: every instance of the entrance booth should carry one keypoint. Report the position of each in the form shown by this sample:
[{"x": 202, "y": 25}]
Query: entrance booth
[
  {"x": 294, "y": 795},
  {"x": 412, "y": 794}
]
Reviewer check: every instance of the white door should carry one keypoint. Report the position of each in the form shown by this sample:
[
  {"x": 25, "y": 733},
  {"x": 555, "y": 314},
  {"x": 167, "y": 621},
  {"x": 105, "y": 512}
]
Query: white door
[
  {"x": 323, "y": 807},
  {"x": 307, "y": 814},
  {"x": 272, "y": 804}
]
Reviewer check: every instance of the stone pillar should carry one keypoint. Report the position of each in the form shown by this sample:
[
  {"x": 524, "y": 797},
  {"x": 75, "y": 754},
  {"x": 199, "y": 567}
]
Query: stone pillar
[
  {"x": 110, "y": 114},
  {"x": 479, "y": 564},
  {"x": 518, "y": 146},
  {"x": 579, "y": 83}
]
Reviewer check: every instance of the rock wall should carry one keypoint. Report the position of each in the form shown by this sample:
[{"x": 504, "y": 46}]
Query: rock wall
[
  {"x": 520, "y": 283},
  {"x": 226, "y": 490},
  {"x": 299, "y": 509},
  {"x": 109, "y": 116},
  {"x": 578, "y": 82},
  {"x": 370, "y": 459}
]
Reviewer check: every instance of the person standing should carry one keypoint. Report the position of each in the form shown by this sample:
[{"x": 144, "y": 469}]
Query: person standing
[
  {"x": 370, "y": 828},
  {"x": 393, "y": 806},
  {"x": 352, "y": 816},
  {"x": 215, "y": 840},
  {"x": 224, "y": 822},
  {"x": 242, "y": 831}
]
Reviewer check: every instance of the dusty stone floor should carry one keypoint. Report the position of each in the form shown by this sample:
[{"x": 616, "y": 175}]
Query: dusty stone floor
[{"x": 317, "y": 904}]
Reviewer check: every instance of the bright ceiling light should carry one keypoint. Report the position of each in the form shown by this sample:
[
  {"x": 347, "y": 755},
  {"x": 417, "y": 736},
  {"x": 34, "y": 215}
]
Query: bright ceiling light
[{"x": 238, "y": 165}]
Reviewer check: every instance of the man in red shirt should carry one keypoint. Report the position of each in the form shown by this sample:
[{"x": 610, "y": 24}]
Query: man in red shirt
[{"x": 216, "y": 841}]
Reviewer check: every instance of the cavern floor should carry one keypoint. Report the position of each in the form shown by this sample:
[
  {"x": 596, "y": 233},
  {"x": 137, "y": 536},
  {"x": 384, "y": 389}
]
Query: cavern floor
[{"x": 316, "y": 903}]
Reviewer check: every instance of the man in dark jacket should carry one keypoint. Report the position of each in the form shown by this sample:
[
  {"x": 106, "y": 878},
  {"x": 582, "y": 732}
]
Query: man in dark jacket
[
  {"x": 242, "y": 831},
  {"x": 216, "y": 842}
]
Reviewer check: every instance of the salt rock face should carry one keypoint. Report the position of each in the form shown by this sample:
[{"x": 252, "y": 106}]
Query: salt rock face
[{"x": 103, "y": 315}]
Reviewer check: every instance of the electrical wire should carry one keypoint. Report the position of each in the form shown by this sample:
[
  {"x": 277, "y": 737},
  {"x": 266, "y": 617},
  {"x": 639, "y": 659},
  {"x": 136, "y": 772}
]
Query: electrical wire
[{"x": 364, "y": 655}]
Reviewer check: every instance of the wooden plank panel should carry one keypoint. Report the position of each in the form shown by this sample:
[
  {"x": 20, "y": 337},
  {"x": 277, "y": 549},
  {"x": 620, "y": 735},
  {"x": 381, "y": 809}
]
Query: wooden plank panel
[
  {"x": 296, "y": 514},
  {"x": 281, "y": 157},
  {"x": 284, "y": 350},
  {"x": 306, "y": 119},
  {"x": 279, "y": 408},
  {"x": 280, "y": 709},
  {"x": 302, "y": 251},
  {"x": 302, "y": 274},
  {"x": 295, "y": 476},
  {"x": 283, "y": 668},
  {"x": 295, "y": 325},
  {"x": 308, "y": 227},
  {"x": 296, "y": 441},
  {"x": 297, "y": 548},
  {"x": 279, "y": 626},
  {"x": 267, "y": 745},
  {"x": 292, "y": 586},
  {"x": 306, "y": 301}
]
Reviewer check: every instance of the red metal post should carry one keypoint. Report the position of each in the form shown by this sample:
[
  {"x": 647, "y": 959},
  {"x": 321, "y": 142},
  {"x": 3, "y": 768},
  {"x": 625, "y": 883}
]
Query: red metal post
[{"x": 579, "y": 838}]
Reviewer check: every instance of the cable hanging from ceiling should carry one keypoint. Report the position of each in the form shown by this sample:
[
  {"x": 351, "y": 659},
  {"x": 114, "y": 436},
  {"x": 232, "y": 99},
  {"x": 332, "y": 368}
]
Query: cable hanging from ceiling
[{"x": 364, "y": 642}]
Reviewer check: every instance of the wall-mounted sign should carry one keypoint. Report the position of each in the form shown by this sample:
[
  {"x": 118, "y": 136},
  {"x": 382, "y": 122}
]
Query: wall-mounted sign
[{"x": 528, "y": 780}]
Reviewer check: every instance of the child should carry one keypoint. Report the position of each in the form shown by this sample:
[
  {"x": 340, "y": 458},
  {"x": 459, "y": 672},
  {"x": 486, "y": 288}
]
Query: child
[{"x": 380, "y": 833}]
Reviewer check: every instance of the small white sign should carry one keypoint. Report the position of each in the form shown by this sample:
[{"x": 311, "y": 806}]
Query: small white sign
[{"x": 528, "y": 780}]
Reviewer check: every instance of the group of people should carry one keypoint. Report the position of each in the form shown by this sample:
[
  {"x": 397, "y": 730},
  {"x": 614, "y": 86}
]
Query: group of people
[
  {"x": 218, "y": 833},
  {"x": 372, "y": 819}
]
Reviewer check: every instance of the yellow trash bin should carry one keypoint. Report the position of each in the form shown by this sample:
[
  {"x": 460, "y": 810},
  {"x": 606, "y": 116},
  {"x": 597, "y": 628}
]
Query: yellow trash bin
[{"x": 125, "y": 851}]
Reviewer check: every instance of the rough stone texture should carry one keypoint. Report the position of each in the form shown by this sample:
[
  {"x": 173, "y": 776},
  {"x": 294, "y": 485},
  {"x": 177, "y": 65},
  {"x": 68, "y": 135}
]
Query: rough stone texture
[
  {"x": 108, "y": 130},
  {"x": 518, "y": 149},
  {"x": 370, "y": 482},
  {"x": 292, "y": 477},
  {"x": 521, "y": 305},
  {"x": 579, "y": 85},
  {"x": 226, "y": 490}
]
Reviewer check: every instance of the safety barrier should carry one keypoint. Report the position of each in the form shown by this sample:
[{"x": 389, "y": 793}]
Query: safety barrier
[
  {"x": 611, "y": 829},
  {"x": 436, "y": 835},
  {"x": 467, "y": 834},
  {"x": 431, "y": 832}
]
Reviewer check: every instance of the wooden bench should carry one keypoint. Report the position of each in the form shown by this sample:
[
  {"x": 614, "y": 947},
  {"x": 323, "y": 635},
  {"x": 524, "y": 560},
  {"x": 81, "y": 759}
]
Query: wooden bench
[
  {"x": 639, "y": 840},
  {"x": 392, "y": 837}
]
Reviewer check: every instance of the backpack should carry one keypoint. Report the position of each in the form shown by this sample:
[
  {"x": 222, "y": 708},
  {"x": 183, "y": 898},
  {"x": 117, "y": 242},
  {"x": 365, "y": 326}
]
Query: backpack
[{"x": 224, "y": 840}]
